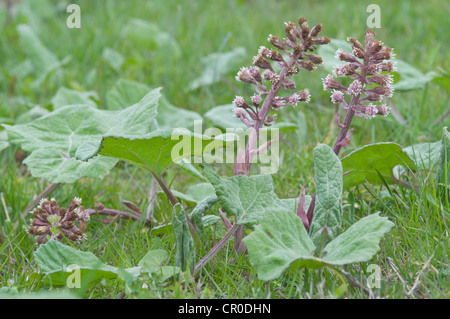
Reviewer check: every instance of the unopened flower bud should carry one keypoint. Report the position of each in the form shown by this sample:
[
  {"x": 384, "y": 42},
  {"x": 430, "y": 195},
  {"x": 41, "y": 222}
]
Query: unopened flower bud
[
  {"x": 255, "y": 73},
  {"x": 288, "y": 84},
  {"x": 358, "y": 53},
  {"x": 373, "y": 69},
  {"x": 308, "y": 65},
  {"x": 314, "y": 58},
  {"x": 304, "y": 95},
  {"x": 321, "y": 40},
  {"x": 344, "y": 56},
  {"x": 240, "y": 102},
  {"x": 355, "y": 43},
  {"x": 244, "y": 75},
  {"x": 388, "y": 66},
  {"x": 294, "y": 69},
  {"x": 330, "y": 83},
  {"x": 369, "y": 37},
  {"x": 261, "y": 62},
  {"x": 291, "y": 31},
  {"x": 382, "y": 79},
  {"x": 276, "y": 42},
  {"x": 315, "y": 31}
]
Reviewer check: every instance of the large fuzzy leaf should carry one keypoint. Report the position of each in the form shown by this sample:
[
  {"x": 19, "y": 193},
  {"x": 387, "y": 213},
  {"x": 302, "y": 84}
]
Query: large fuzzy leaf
[
  {"x": 367, "y": 163},
  {"x": 65, "y": 96},
  {"x": 126, "y": 92},
  {"x": 246, "y": 197},
  {"x": 359, "y": 242},
  {"x": 159, "y": 149},
  {"x": 54, "y": 259},
  {"x": 326, "y": 223},
  {"x": 216, "y": 65},
  {"x": 54, "y": 139},
  {"x": 279, "y": 240}
]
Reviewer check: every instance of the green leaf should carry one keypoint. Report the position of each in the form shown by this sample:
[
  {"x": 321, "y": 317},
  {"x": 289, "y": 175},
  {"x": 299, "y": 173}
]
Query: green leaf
[
  {"x": 150, "y": 36},
  {"x": 279, "y": 240},
  {"x": 368, "y": 161},
  {"x": 200, "y": 209},
  {"x": 153, "y": 260},
  {"x": 326, "y": 223},
  {"x": 443, "y": 173},
  {"x": 41, "y": 58},
  {"x": 127, "y": 92},
  {"x": 216, "y": 65},
  {"x": 410, "y": 77},
  {"x": 54, "y": 259},
  {"x": 54, "y": 139},
  {"x": 359, "y": 242},
  {"x": 424, "y": 155},
  {"x": 152, "y": 263},
  {"x": 43, "y": 61},
  {"x": 170, "y": 116},
  {"x": 3, "y": 140},
  {"x": 159, "y": 149},
  {"x": 86, "y": 150},
  {"x": 65, "y": 96},
  {"x": 246, "y": 197},
  {"x": 183, "y": 236},
  {"x": 113, "y": 58}
]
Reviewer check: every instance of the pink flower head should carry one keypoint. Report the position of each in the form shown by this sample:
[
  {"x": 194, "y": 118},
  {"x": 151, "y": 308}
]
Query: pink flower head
[
  {"x": 293, "y": 99},
  {"x": 239, "y": 112},
  {"x": 304, "y": 95},
  {"x": 355, "y": 88},
  {"x": 337, "y": 97},
  {"x": 384, "y": 110},
  {"x": 256, "y": 99},
  {"x": 370, "y": 111},
  {"x": 244, "y": 75},
  {"x": 239, "y": 101},
  {"x": 330, "y": 83}
]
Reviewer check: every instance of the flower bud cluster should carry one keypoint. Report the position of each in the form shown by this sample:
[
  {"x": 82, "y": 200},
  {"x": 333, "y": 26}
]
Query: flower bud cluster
[
  {"x": 53, "y": 222},
  {"x": 290, "y": 56},
  {"x": 369, "y": 69}
]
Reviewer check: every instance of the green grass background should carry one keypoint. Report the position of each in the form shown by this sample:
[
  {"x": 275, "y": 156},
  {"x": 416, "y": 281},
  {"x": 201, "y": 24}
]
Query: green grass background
[{"x": 415, "y": 250}]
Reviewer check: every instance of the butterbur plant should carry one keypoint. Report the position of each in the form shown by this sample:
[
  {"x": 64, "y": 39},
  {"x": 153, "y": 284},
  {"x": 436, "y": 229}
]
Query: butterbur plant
[
  {"x": 307, "y": 232},
  {"x": 53, "y": 222},
  {"x": 368, "y": 69},
  {"x": 289, "y": 56}
]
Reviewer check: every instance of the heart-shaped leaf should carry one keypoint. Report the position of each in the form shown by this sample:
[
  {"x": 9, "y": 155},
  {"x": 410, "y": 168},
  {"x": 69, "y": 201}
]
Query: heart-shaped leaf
[
  {"x": 54, "y": 139},
  {"x": 367, "y": 163}
]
